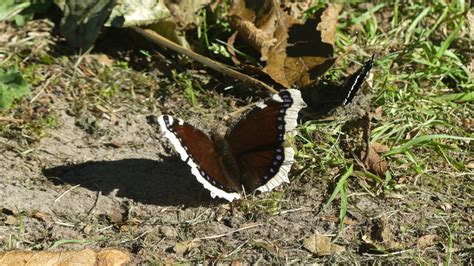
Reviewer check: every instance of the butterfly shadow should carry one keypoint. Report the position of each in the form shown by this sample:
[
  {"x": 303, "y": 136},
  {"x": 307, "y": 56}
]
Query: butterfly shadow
[{"x": 165, "y": 183}]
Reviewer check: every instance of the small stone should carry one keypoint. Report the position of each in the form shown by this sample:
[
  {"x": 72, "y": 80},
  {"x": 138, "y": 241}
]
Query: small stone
[
  {"x": 11, "y": 220},
  {"x": 168, "y": 232}
]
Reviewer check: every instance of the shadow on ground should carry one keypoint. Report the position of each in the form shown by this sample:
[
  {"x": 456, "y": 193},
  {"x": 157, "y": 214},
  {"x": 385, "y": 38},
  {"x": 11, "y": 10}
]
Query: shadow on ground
[{"x": 164, "y": 183}]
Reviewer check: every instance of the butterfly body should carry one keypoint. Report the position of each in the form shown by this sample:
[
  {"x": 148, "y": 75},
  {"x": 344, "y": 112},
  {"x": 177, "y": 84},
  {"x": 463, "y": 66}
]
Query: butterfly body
[
  {"x": 253, "y": 155},
  {"x": 227, "y": 161}
]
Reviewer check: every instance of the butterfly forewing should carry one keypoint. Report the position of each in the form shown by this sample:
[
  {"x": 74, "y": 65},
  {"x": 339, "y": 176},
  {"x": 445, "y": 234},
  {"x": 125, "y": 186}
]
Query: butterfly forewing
[{"x": 198, "y": 151}]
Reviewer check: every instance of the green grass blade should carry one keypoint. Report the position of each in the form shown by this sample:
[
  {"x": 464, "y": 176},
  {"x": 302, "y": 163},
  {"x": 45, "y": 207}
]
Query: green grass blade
[
  {"x": 421, "y": 139},
  {"x": 343, "y": 209},
  {"x": 458, "y": 97},
  {"x": 340, "y": 185},
  {"x": 446, "y": 43},
  {"x": 414, "y": 24}
]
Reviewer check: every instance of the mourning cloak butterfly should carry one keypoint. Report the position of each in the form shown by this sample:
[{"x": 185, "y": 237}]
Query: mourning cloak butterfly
[
  {"x": 254, "y": 155},
  {"x": 325, "y": 97}
]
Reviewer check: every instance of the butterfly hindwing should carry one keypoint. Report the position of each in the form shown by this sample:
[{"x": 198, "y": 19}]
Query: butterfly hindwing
[{"x": 258, "y": 141}]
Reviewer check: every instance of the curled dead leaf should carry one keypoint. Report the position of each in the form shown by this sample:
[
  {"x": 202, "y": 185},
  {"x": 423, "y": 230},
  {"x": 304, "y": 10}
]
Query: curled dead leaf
[
  {"x": 321, "y": 245},
  {"x": 255, "y": 24},
  {"x": 373, "y": 161}
]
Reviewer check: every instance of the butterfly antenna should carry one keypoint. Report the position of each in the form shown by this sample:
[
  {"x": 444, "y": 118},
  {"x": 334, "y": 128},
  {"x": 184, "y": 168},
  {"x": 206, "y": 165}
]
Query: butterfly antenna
[{"x": 243, "y": 191}]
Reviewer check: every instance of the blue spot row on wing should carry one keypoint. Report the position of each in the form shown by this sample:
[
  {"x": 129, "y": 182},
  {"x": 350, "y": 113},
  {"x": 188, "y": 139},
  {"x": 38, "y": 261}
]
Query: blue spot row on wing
[{"x": 279, "y": 155}]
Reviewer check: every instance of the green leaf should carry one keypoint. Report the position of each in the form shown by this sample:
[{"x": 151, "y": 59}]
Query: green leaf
[
  {"x": 12, "y": 86},
  {"x": 22, "y": 11},
  {"x": 155, "y": 15},
  {"x": 9, "y": 9}
]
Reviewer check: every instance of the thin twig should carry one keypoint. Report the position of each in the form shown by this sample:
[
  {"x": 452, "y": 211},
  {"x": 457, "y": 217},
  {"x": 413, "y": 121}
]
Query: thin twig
[
  {"x": 65, "y": 192},
  {"x": 99, "y": 193},
  {"x": 239, "y": 111},
  {"x": 228, "y": 233},
  {"x": 160, "y": 40},
  {"x": 43, "y": 87},
  {"x": 65, "y": 224},
  {"x": 388, "y": 254},
  {"x": 237, "y": 249},
  {"x": 193, "y": 221},
  {"x": 292, "y": 210},
  {"x": 367, "y": 132},
  {"x": 9, "y": 119}
]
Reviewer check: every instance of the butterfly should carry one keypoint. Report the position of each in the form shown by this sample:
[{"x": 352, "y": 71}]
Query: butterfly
[
  {"x": 324, "y": 98},
  {"x": 252, "y": 156}
]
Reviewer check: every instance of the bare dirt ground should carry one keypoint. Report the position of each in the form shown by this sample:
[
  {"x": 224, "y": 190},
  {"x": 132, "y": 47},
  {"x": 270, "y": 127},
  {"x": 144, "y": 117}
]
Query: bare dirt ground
[{"x": 114, "y": 181}]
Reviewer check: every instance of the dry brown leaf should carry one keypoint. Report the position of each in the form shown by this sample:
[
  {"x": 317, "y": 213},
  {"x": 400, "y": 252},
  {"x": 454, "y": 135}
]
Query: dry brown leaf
[
  {"x": 426, "y": 241},
  {"x": 102, "y": 59},
  {"x": 321, "y": 245},
  {"x": 185, "y": 246},
  {"x": 42, "y": 216},
  {"x": 20, "y": 257},
  {"x": 377, "y": 114},
  {"x": 379, "y": 148},
  {"x": 112, "y": 257},
  {"x": 381, "y": 237},
  {"x": 297, "y": 52},
  {"x": 335, "y": 219},
  {"x": 328, "y": 24},
  {"x": 374, "y": 162}
]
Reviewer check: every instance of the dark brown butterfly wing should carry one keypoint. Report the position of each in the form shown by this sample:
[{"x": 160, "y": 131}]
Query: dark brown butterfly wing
[
  {"x": 198, "y": 151},
  {"x": 258, "y": 141}
]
